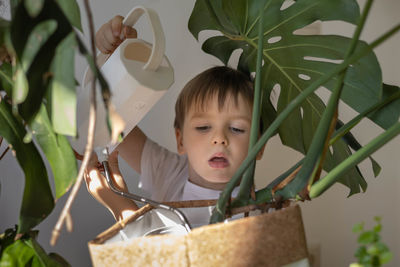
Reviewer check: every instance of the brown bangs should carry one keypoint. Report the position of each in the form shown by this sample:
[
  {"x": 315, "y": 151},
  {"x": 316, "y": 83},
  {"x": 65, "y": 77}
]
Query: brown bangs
[{"x": 221, "y": 82}]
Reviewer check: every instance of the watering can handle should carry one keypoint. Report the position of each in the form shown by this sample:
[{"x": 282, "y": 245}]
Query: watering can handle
[{"x": 157, "y": 52}]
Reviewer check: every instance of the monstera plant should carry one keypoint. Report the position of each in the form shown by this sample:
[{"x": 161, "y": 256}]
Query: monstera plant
[
  {"x": 37, "y": 99},
  {"x": 292, "y": 67},
  {"x": 38, "y": 112}
]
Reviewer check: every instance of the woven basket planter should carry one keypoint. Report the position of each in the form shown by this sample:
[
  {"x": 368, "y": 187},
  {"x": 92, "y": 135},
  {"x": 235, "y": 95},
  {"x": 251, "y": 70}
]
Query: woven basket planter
[{"x": 269, "y": 239}]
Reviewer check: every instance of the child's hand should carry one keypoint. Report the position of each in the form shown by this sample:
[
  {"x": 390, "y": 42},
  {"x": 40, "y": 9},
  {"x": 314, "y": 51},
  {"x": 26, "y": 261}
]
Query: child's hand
[
  {"x": 97, "y": 186},
  {"x": 112, "y": 33}
]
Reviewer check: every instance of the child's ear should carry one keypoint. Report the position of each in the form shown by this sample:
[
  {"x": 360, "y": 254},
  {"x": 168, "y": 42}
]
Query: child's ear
[
  {"x": 179, "y": 141},
  {"x": 261, "y": 153}
]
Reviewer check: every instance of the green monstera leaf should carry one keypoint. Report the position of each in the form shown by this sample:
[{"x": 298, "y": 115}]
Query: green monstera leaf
[{"x": 293, "y": 61}]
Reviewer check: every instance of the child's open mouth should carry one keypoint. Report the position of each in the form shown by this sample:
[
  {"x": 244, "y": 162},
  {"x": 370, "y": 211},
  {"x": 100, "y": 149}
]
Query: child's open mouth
[{"x": 218, "y": 162}]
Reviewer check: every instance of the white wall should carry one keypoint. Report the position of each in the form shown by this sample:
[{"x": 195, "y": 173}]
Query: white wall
[{"x": 328, "y": 219}]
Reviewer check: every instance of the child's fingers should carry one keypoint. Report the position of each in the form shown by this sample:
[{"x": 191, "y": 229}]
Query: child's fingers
[
  {"x": 130, "y": 32},
  {"x": 113, "y": 157},
  {"x": 93, "y": 161},
  {"x": 111, "y": 41},
  {"x": 101, "y": 42},
  {"x": 95, "y": 182},
  {"x": 105, "y": 39},
  {"x": 106, "y": 42},
  {"x": 113, "y": 160},
  {"x": 116, "y": 25},
  {"x": 119, "y": 182}
]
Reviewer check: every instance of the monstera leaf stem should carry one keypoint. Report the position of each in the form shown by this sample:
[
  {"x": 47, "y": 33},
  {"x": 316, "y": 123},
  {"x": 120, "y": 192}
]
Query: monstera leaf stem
[
  {"x": 352, "y": 123},
  {"x": 248, "y": 179},
  {"x": 265, "y": 194},
  {"x": 218, "y": 214},
  {"x": 256, "y": 20},
  {"x": 322, "y": 185},
  {"x": 341, "y": 132}
]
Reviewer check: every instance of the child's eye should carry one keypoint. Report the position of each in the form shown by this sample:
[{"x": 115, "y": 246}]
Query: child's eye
[
  {"x": 202, "y": 128},
  {"x": 237, "y": 130}
]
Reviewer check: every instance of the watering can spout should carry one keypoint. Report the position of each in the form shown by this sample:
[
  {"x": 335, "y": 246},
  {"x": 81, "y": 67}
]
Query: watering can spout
[{"x": 138, "y": 75}]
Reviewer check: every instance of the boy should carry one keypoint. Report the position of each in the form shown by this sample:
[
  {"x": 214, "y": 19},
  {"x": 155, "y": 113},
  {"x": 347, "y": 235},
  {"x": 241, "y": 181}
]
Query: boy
[{"x": 212, "y": 129}]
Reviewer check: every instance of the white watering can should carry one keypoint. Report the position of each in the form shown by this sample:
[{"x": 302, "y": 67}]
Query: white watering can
[{"x": 138, "y": 75}]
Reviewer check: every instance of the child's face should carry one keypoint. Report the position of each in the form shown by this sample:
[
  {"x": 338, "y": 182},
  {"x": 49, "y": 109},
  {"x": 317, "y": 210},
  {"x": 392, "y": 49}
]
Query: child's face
[{"x": 215, "y": 141}]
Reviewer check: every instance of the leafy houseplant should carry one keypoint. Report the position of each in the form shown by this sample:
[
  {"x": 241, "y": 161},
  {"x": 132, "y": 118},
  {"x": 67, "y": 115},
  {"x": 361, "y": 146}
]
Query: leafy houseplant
[
  {"x": 264, "y": 31},
  {"x": 38, "y": 112},
  {"x": 372, "y": 251},
  {"x": 35, "y": 82}
]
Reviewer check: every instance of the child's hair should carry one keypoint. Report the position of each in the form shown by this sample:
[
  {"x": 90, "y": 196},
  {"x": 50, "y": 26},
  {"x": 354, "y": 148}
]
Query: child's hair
[{"x": 217, "y": 81}]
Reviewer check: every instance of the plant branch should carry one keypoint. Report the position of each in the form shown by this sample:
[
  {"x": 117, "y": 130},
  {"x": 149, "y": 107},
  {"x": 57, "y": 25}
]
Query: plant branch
[
  {"x": 191, "y": 203},
  {"x": 4, "y": 153},
  {"x": 287, "y": 180},
  {"x": 265, "y": 194},
  {"x": 1, "y": 141},
  {"x": 219, "y": 211},
  {"x": 89, "y": 146}
]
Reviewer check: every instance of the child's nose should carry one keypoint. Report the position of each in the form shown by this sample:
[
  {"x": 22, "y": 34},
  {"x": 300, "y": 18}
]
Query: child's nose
[{"x": 220, "y": 138}]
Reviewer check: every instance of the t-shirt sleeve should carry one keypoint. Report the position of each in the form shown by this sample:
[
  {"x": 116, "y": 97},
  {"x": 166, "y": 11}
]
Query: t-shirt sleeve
[{"x": 163, "y": 173}]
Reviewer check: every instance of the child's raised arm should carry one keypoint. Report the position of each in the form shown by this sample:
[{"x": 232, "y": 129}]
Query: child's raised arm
[
  {"x": 108, "y": 38},
  {"x": 132, "y": 147}
]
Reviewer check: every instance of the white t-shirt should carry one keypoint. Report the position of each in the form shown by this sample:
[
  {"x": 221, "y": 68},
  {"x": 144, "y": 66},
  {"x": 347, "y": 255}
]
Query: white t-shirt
[{"x": 165, "y": 176}]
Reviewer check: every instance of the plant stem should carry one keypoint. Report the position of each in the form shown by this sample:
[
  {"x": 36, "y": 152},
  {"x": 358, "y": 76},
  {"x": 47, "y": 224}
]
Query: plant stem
[
  {"x": 219, "y": 211},
  {"x": 336, "y": 136},
  {"x": 322, "y": 185},
  {"x": 89, "y": 146},
  {"x": 248, "y": 179},
  {"x": 352, "y": 123},
  {"x": 191, "y": 203}
]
